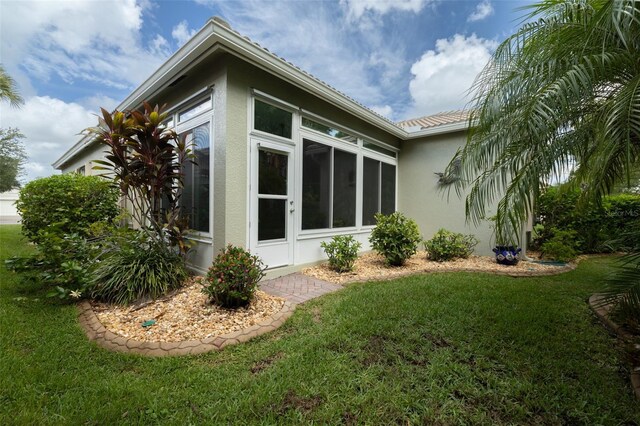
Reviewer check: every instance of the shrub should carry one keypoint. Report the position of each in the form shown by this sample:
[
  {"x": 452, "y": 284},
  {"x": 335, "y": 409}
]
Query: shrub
[
  {"x": 233, "y": 277},
  {"x": 134, "y": 266},
  {"x": 65, "y": 204},
  {"x": 62, "y": 262},
  {"x": 447, "y": 245},
  {"x": 597, "y": 226},
  {"x": 395, "y": 237},
  {"x": 342, "y": 251},
  {"x": 561, "y": 247}
]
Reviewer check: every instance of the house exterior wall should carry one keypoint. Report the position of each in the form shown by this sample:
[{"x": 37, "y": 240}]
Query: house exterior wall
[
  {"x": 420, "y": 196},
  {"x": 85, "y": 159},
  {"x": 209, "y": 78},
  {"x": 242, "y": 77}
]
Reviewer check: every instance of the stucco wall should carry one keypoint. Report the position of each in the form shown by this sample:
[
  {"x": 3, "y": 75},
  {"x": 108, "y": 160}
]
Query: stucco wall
[
  {"x": 85, "y": 158},
  {"x": 244, "y": 76},
  {"x": 420, "y": 197}
]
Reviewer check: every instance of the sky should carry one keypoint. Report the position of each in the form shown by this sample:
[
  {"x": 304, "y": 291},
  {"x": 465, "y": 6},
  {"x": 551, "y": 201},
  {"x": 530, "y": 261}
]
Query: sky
[{"x": 401, "y": 58}]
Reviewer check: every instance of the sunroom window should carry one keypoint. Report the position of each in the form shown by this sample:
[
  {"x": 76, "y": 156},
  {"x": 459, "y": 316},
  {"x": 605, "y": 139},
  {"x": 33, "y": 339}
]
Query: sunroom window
[
  {"x": 378, "y": 148},
  {"x": 327, "y": 130},
  {"x": 379, "y": 189},
  {"x": 328, "y": 187},
  {"x": 194, "y": 110},
  {"x": 271, "y": 119},
  {"x": 195, "y": 194}
]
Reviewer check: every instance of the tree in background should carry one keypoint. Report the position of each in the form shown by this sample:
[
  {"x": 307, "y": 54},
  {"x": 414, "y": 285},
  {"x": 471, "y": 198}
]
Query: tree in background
[
  {"x": 12, "y": 158},
  {"x": 12, "y": 153},
  {"x": 8, "y": 89},
  {"x": 562, "y": 93}
]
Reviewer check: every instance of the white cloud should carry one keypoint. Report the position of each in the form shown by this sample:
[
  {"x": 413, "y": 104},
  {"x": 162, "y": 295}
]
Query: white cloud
[
  {"x": 50, "y": 126},
  {"x": 309, "y": 35},
  {"x": 383, "y": 110},
  {"x": 483, "y": 10},
  {"x": 90, "y": 41},
  {"x": 97, "y": 101},
  {"x": 443, "y": 77},
  {"x": 181, "y": 33},
  {"x": 356, "y": 9}
]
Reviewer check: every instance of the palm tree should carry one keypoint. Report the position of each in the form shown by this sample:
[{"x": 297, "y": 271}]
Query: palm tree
[
  {"x": 562, "y": 93},
  {"x": 8, "y": 89}
]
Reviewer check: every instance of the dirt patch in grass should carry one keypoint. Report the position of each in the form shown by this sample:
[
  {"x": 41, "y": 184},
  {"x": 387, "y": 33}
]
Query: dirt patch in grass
[
  {"x": 292, "y": 401},
  {"x": 265, "y": 363},
  {"x": 436, "y": 341},
  {"x": 371, "y": 266}
]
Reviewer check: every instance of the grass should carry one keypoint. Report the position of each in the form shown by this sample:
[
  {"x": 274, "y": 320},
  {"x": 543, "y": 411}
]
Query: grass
[{"x": 437, "y": 349}]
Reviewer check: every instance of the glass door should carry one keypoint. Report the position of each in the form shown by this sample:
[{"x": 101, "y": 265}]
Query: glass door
[{"x": 272, "y": 203}]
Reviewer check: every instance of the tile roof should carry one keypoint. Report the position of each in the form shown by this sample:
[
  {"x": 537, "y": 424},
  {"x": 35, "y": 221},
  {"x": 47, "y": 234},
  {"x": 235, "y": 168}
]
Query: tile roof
[{"x": 438, "y": 119}]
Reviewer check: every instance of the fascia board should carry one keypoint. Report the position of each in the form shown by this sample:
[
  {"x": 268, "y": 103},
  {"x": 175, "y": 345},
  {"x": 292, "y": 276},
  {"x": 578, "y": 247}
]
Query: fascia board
[
  {"x": 438, "y": 130},
  {"x": 173, "y": 66},
  {"x": 197, "y": 45},
  {"x": 288, "y": 72},
  {"x": 71, "y": 152}
]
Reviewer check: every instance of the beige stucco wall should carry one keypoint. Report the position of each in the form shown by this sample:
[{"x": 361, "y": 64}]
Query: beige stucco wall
[
  {"x": 241, "y": 78},
  {"x": 85, "y": 158},
  {"x": 244, "y": 76},
  {"x": 421, "y": 198}
]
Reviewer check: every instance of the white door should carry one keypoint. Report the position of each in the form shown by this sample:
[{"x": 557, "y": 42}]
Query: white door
[{"x": 272, "y": 203}]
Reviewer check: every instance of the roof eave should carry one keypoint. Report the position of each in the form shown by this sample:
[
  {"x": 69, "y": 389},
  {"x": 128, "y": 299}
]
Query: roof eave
[{"x": 439, "y": 130}]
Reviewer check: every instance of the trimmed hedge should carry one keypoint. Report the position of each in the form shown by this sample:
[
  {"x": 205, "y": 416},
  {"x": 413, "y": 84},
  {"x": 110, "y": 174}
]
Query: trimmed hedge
[{"x": 68, "y": 203}]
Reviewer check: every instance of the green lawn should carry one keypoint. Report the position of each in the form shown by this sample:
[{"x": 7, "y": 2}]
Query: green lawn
[{"x": 436, "y": 349}]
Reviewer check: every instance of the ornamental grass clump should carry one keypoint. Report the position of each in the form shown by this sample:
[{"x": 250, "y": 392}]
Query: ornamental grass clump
[
  {"x": 342, "y": 252},
  {"x": 446, "y": 245},
  {"x": 395, "y": 237},
  {"x": 232, "y": 279},
  {"x": 135, "y": 267}
]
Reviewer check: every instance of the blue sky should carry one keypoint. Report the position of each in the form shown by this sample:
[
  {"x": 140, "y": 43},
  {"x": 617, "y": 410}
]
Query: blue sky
[{"x": 402, "y": 58}]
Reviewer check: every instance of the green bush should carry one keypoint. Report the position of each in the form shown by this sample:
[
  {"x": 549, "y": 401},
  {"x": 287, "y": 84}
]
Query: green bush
[
  {"x": 65, "y": 204},
  {"x": 62, "y": 262},
  {"x": 133, "y": 266},
  {"x": 561, "y": 247},
  {"x": 395, "y": 237},
  {"x": 342, "y": 252},
  {"x": 233, "y": 277},
  {"x": 597, "y": 226},
  {"x": 447, "y": 245}
]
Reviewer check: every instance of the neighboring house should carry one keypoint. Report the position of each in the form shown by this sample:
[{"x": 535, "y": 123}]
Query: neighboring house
[
  {"x": 8, "y": 212},
  {"x": 284, "y": 160}
]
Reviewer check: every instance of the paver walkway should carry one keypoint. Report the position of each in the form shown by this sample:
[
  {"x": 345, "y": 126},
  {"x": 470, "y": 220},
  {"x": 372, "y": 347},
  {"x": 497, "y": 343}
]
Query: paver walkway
[{"x": 298, "y": 288}]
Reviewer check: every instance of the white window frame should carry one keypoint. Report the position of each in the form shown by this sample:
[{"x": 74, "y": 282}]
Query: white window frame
[
  {"x": 203, "y": 117},
  {"x": 264, "y": 98},
  {"x": 334, "y": 143}
]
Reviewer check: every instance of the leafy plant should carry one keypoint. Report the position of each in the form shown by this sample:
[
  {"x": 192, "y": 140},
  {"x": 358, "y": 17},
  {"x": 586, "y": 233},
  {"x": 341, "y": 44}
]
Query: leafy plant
[
  {"x": 146, "y": 161},
  {"x": 447, "y": 245},
  {"x": 133, "y": 266},
  {"x": 62, "y": 262},
  {"x": 597, "y": 225},
  {"x": 65, "y": 204},
  {"x": 395, "y": 237},
  {"x": 233, "y": 277},
  {"x": 342, "y": 252},
  {"x": 561, "y": 246},
  {"x": 622, "y": 289}
]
